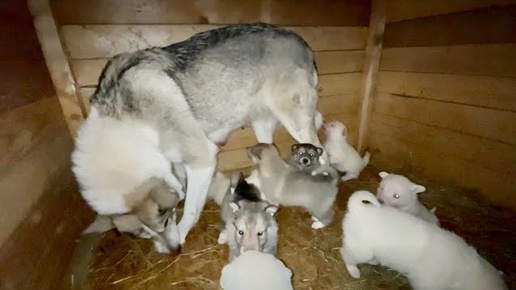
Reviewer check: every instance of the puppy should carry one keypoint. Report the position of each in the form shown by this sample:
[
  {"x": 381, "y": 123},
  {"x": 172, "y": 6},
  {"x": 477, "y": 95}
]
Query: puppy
[
  {"x": 430, "y": 257},
  {"x": 255, "y": 270},
  {"x": 399, "y": 192},
  {"x": 248, "y": 223},
  {"x": 280, "y": 184},
  {"x": 343, "y": 156}
]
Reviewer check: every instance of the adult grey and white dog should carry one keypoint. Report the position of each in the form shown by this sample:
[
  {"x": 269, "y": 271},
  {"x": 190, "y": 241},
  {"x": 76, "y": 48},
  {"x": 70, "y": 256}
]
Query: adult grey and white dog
[
  {"x": 281, "y": 184},
  {"x": 247, "y": 222},
  {"x": 196, "y": 92}
]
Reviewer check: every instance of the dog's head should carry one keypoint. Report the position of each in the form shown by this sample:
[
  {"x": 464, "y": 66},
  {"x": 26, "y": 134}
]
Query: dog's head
[
  {"x": 335, "y": 128},
  {"x": 305, "y": 154},
  {"x": 260, "y": 150},
  {"x": 397, "y": 190}
]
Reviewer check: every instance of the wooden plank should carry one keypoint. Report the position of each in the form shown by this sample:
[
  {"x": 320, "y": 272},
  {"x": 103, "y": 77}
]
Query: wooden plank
[
  {"x": 395, "y": 154},
  {"x": 485, "y": 59},
  {"x": 285, "y": 12},
  {"x": 87, "y": 71},
  {"x": 398, "y": 10},
  {"x": 34, "y": 144},
  {"x": 477, "y": 121},
  {"x": 237, "y": 158},
  {"x": 104, "y": 41},
  {"x": 495, "y": 25},
  {"x": 15, "y": 12},
  {"x": 57, "y": 63},
  {"x": 329, "y": 106},
  {"x": 490, "y": 92},
  {"x": 372, "y": 62}
]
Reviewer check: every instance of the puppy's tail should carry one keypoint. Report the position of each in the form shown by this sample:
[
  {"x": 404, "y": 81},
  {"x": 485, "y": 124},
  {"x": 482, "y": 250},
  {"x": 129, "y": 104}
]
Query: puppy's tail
[
  {"x": 366, "y": 158},
  {"x": 362, "y": 198}
]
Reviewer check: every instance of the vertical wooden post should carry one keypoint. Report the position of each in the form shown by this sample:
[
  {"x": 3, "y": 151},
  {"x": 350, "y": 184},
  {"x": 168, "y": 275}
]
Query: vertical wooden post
[
  {"x": 371, "y": 65},
  {"x": 57, "y": 63}
]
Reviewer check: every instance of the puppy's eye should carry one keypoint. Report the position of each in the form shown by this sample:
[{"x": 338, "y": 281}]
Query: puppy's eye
[
  {"x": 311, "y": 155},
  {"x": 333, "y": 125},
  {"x": 241, "y": 233},
  {"x": 300, "y": 153},
  {"x": 396, "y": 196},
  {"x": 260, "y": 234}
]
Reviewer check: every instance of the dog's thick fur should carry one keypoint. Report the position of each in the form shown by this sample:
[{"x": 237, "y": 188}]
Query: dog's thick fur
[
  {"x": 280, "y": 184},
  {"x": 430, "y": 257},
  {"x": 121, "y": 170},
  {"x": 255, "y": 270},
  {"x": 343, "y": 156},
  {"x": 399, "y": 192},
  {"x": 196, "y": 92}
]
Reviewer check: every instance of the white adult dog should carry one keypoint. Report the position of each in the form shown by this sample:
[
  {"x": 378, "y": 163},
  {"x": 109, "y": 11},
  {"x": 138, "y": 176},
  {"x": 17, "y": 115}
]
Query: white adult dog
[{"x": 430, "y": 257}]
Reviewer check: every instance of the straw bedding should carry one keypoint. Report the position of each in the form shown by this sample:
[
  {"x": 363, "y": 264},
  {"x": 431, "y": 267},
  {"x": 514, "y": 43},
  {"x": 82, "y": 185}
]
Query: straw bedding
[{"x": 124, "y": 262}]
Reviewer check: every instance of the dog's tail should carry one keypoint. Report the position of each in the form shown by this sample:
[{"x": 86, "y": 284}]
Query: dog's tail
[
  {"x": 366, "y": 158},
  {"x": 362, "y": 198}
]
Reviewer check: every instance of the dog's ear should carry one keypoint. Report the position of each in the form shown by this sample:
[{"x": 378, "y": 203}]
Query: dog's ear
[
  {"x": 383, "y": 174},
  {"x": 319, "y": 150},
  {"x": 418, "y": 188},
  {"x": 294, "y": 147},
  {"x": 344, "y": 130},
  {"x": 271, "y": 209}
]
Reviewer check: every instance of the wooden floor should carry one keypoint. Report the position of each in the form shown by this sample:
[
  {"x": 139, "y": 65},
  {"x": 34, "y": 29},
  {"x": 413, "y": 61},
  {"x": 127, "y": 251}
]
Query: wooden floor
[{"x": 122, "y": 262}]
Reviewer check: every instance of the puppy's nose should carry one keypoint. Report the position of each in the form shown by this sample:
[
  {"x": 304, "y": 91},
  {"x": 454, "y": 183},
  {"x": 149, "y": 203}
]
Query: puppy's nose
[
  {"x": 304, "y": 160},
  {"x": 380, "y": 201}
]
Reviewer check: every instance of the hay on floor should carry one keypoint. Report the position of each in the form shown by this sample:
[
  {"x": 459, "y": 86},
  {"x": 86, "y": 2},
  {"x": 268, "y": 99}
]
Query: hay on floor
[{"x": 124, "y": 262}]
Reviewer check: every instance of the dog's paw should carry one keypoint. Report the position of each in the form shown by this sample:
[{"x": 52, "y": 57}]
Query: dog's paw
[
  {"x": 223, "y": 238},
  {"x": 317, "y": 225},
  {"x": 161, "y": 248},
  {"x": 373, "y": 261},
  {"x": 353, "y": 271}
]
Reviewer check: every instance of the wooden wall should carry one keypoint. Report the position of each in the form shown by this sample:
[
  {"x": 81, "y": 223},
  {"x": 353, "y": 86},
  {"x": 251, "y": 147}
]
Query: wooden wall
[
  {"x": 336, "y": 31},
  {"x": 445, "y": 103},
  {"x": 41, "y": 212}
]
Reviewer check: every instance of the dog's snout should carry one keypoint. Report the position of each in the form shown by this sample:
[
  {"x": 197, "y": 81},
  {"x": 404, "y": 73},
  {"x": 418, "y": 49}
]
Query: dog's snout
[
  {"x": 305, "y": 160},
  {"x": 380, "y": 201}
]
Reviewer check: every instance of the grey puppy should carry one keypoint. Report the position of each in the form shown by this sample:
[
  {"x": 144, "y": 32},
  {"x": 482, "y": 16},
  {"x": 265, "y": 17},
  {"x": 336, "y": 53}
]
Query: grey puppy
[
  {"x": 305, "y": 157},
  {"x": 248, "y": 223},
  {"x": 264, "y": 74},
  {"x": 281, "y": 184}
]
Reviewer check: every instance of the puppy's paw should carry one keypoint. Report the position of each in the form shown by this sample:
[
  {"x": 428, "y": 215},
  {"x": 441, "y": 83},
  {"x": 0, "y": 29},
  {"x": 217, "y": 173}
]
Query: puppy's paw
[
  {"x": 317, "y": 225},
  {"x": 353, "y": 271},
  {"x": 161, "y": 248},
  {"x": 373, "y": 261},
  {"x": 223, "y": 238}
]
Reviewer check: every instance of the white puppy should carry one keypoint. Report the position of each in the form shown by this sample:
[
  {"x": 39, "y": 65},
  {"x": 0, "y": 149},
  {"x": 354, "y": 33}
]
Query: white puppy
[
  {"x": 430, "y": 257},
  {"x": 399, "y": 192},
  {"x": 343, "y": 156},
  {"x": 256, "y": 270}
]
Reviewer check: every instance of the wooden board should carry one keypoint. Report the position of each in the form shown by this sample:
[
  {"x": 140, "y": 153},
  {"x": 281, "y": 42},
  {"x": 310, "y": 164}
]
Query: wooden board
[
  {"x": 284, "y": 12},
  {"x": 35, "y": 147},
  {"x": 478, "y": 121},
  {"x": 400, "y": 150},
  {"x": 485, "y": 59},
  {"x": 104, "y": 41},
  {"x": 87, "y": 71},
  {"x": 482, "y": 91},
  {"x": 496, "y": 25},
  {"x": 398, "y": 10},
  {"x": 237, "y": 158},
  {"x": 57, "y": 63},
  {"x": 373, "y": 54}
]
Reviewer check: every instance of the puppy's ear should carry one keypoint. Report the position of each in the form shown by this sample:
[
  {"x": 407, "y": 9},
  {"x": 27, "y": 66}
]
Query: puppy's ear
[
  {"x": 234, "y": 206},
  {"x": 344, "y": 130},
  {"x": 319, "y": 150},
  {"x": 271, "y": 209},
  {"x": 418, "y": 188},
  {"x": 383, "y": 174},
  {"x": 294, "y": 147}
]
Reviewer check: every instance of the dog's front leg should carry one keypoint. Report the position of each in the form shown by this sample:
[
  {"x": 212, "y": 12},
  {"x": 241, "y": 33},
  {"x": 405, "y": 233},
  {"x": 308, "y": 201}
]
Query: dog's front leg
[{"x": 264, "y": 129}]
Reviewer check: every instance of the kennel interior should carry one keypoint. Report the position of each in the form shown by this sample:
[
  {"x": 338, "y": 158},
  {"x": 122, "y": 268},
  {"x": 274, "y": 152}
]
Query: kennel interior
[{"x": 427, "y": 87}]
